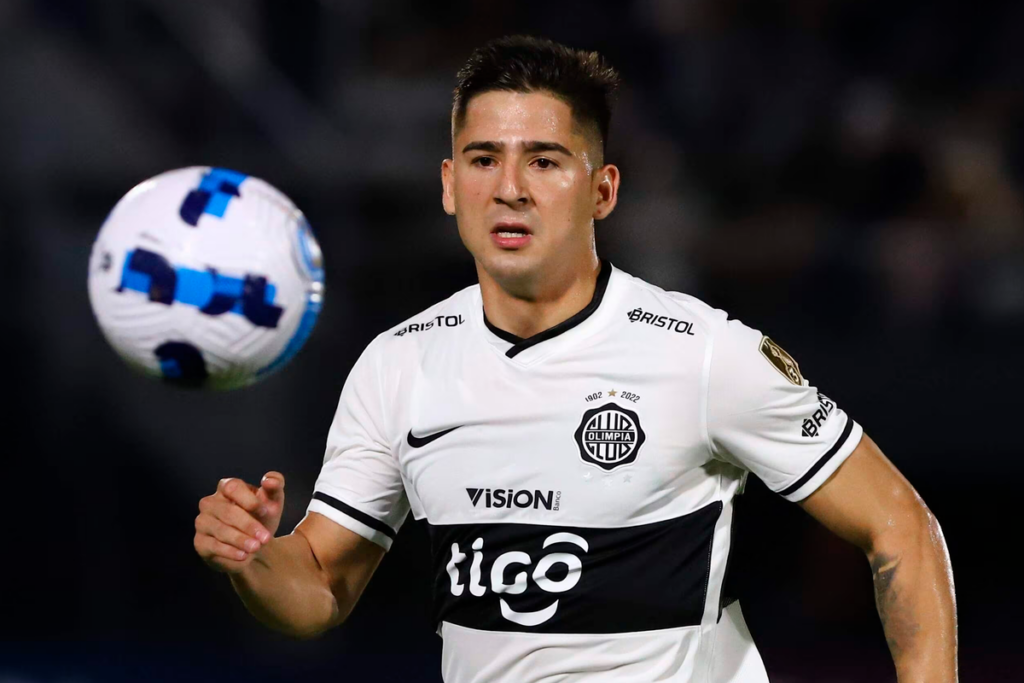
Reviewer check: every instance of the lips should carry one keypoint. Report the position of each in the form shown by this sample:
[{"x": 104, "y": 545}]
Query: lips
[{"x": 509, "y": 235}]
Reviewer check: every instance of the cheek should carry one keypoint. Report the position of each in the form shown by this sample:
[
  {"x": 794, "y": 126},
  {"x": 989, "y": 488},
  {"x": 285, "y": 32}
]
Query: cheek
[
  {"x": 471, "y": 204},
  {"x": 568, "y": 196},
  {"x": 470, "y": 193}
]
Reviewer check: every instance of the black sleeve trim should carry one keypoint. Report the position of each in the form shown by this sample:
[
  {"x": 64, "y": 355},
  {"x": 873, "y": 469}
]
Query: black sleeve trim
[
  {"x": 366, "y": 519},
  {"x": 821, "y": 462}
]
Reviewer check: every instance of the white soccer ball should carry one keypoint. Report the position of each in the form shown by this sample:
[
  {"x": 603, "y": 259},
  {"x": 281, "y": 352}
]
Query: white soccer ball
[{"x": 206, "y": 277}]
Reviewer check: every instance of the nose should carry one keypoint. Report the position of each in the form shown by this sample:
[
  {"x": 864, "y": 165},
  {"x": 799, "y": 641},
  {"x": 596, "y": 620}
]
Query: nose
[{"x": 511, "y": 190}]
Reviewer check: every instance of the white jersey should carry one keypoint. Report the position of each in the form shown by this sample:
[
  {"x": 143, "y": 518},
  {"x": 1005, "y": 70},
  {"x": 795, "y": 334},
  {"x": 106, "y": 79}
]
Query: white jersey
[{"x": 578, "y": 485}]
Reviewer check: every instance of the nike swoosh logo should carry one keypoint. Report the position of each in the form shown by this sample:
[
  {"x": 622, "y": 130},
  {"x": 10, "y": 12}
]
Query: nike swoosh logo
[{"x": 420, "y": 441}]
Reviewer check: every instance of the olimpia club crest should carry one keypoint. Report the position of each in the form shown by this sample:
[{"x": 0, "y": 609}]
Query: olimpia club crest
[{"x": 609, "y": 437}]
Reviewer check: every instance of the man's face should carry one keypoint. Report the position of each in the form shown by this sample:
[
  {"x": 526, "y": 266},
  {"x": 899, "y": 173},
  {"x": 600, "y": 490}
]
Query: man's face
[{"x": 523, "y": 185}]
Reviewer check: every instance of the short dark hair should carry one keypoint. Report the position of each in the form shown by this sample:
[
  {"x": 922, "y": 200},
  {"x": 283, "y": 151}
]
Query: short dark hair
[{"x": 583, "y": 80}]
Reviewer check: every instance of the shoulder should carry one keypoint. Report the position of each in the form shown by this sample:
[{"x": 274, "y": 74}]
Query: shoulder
[
  {"x": 727, "y": 342},
  {"x": 649, "y": 304},
  {"x": 448, "y": 316}
]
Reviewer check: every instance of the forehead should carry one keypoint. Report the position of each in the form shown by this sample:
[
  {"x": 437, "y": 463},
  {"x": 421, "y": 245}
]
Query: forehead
[{"x": 499, "y": 114}]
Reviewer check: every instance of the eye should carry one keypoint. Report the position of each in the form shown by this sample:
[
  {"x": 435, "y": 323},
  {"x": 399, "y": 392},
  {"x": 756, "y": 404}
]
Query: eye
[
  {"x": 485, "y": 162},
  {"x": 545, "y": 163}
]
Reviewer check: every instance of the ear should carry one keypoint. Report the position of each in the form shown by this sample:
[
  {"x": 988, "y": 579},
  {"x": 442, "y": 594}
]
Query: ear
[
  {"x": 448, "y": 186},
  {"x": 605, "y": 186}
]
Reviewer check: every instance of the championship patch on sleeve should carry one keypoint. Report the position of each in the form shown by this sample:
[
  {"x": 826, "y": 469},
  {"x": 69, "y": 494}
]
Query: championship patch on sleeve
[{"x": 782, "y": 361}]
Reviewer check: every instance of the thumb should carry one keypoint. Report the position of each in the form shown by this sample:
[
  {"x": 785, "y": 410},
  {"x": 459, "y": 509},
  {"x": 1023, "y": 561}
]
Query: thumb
[
  {"x": 272, "y": 487},
  {"x": 271, "y": 497}
]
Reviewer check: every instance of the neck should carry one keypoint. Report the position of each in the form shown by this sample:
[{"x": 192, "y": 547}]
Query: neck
[{"x": 527, "y": 308}]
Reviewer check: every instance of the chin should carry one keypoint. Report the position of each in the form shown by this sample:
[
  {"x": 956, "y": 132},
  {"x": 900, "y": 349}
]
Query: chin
[{"x": 510, "y": 267}]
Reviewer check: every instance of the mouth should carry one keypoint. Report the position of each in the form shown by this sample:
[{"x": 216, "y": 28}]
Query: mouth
[{"x": 511, "y": 235}]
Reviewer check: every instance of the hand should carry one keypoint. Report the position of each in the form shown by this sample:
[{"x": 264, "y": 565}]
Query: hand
[{"x": 237, "y": 521}]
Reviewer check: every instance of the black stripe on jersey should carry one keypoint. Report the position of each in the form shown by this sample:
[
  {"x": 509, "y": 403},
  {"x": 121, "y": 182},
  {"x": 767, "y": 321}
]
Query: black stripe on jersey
[
  {"x": 357, "y": 515},
  {"x": 536, "y": 578},
  {"x": 821, "y": 462},
  {"x": 730, "y": 588},
  {"x": 519, "y": 344}
]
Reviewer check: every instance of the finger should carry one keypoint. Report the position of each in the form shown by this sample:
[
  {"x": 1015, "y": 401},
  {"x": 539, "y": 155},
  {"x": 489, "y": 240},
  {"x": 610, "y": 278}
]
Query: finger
[
  {"x": 210, "y": 526},
  {"x": 271, "y": 495},
  {"x": 272, "y": 486},
  {"x": 210, "y": 549},
  {"x": 240, "y": 493},
  {"x": 234, "y": 516}
]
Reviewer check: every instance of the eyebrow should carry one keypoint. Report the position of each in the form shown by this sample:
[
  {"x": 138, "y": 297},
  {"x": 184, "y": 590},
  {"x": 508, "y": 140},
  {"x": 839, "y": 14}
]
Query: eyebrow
[{"x": 528, "y": 146}]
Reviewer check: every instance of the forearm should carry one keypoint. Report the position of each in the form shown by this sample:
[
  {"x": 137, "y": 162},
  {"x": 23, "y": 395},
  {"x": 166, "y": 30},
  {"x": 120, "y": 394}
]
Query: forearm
[
  {"x": 916, "y": 603},
  {"x": 285, "y": 589}
]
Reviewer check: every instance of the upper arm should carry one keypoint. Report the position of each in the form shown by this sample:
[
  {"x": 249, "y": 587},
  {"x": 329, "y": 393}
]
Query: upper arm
[
  {"x": 360, "y": 486},
  {"x": 867, "y": 499},
  {"x": 763, "y": 416},
  {"x": 345, "y": 559},
  {"x": 359, "y": 500}
]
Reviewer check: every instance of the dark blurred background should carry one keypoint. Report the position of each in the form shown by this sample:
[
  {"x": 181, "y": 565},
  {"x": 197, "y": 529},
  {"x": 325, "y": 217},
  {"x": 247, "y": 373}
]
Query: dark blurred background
[{"x": 847, "y": 176}]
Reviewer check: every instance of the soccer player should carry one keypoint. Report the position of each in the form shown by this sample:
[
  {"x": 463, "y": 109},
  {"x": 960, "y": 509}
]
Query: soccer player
[{"x": 573, "y": 436}]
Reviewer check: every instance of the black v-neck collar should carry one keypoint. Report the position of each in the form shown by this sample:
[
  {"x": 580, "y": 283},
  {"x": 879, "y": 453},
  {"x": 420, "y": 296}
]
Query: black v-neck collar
[{"x": 519, "y": 344}]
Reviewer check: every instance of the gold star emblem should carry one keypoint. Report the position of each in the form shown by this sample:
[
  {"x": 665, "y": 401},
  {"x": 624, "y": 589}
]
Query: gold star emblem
[{"x": 611, "y": 393}]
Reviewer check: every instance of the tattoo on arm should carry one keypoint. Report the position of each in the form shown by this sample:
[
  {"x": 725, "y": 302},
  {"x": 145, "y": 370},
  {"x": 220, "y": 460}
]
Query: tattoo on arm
[{"x": 897, "y": 618}]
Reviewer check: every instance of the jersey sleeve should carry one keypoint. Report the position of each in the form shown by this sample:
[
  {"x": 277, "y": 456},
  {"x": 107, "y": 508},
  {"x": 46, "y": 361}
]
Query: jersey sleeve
[
  {"x": 360, "y": 485},
  {"x": 763, "y": 416}
]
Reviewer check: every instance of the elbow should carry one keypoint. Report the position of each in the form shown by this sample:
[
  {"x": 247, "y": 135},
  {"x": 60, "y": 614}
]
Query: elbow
[
  {"x": 302, "y": 625},
  {"x": 308, "y": 631},
  {"x": 312, "y": 631},
  {"x": 305, "y": 634},
  {"x": 913, "y": 527},
  {"x": 935, "y": 536}
]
